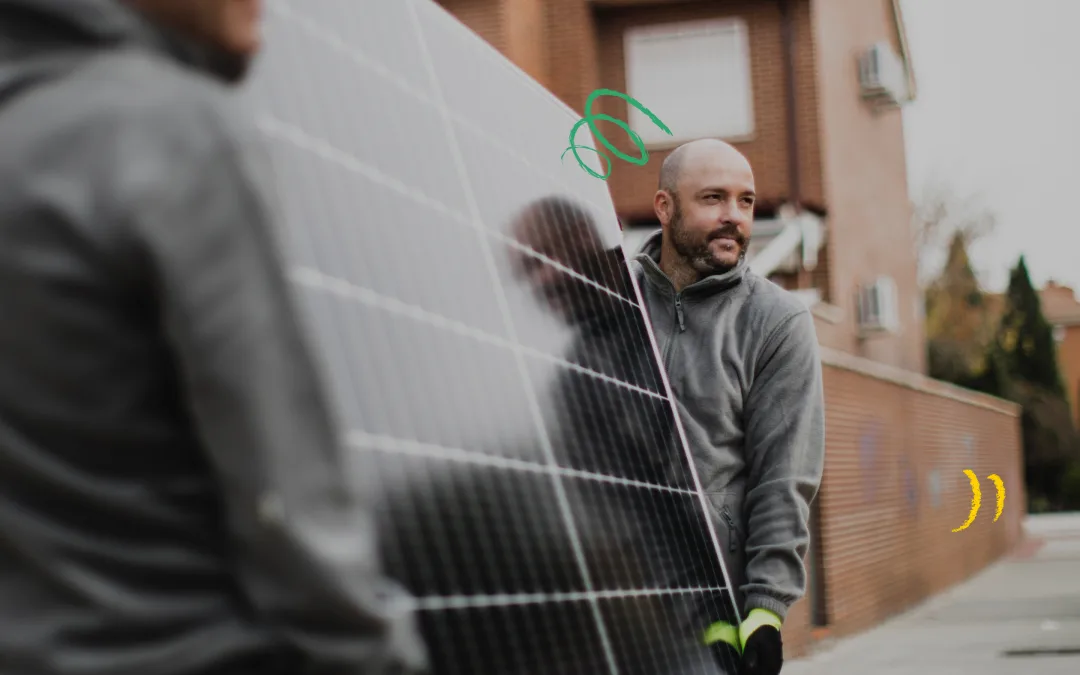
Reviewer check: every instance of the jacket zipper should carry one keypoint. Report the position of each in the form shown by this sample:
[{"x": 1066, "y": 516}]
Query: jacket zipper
[
  {"x": 670, "y": 347},
  {"x": 734, "y": 531}
]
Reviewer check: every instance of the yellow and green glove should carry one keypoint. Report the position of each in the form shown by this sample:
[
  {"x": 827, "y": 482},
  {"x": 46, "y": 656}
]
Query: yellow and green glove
[{"x": 754, "y": 648}]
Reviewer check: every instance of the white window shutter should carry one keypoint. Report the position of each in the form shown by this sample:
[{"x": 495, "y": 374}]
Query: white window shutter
[{"x": 694, "y": 76}]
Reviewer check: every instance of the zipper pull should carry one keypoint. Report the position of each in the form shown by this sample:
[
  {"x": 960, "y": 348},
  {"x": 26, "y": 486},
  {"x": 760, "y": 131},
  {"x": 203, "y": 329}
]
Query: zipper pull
[
  {"x": 732, "y": 531},
  {"x": 679, "y": 314}
]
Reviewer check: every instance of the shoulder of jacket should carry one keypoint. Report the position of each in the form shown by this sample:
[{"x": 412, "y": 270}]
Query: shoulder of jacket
[
  {"x": 775, "y": 305},
  {"x": 770, "y": 297},
  {"x": 161, "y": 104}
]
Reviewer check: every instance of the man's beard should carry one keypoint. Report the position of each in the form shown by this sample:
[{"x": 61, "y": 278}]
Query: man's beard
[
  {"x": 229, "y": 66},
  {"x": 696, "y": 252},
  {"x": 203, "y": 54}
]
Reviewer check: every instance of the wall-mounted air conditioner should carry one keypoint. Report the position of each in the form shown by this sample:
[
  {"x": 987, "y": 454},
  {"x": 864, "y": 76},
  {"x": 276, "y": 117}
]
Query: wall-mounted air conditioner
[
  {"x": 876, "y": 307},
  {"x": 882, "y": 76}
]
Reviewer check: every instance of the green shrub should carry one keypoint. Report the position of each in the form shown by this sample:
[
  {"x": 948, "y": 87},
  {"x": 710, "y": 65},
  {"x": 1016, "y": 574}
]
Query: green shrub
[
  {"x": 1070, "y": 488},
  {"x": 1038, "y": 504}
]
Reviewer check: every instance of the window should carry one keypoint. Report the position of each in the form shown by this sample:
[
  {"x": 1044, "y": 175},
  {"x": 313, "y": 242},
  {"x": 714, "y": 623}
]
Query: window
[{"x": 694, "y": 76}]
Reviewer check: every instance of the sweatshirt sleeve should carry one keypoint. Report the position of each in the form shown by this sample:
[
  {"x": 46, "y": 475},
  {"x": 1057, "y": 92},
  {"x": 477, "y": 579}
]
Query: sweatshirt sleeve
[
  {"x": 304, "y": 540},
  {"x": 785, "y": 447}
]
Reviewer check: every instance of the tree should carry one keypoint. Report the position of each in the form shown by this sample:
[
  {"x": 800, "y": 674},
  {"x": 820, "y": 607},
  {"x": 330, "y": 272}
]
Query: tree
[
  {"x": 1070, "y": 488},
  {"x": 958, "y": 326},
  {"x": 1051, "y": 446},
  {"x": 940, "y": 215},
  {"x": 1014, "y": 358},
  {"x": 1025, "y": 355},
  {"x": 1025, "y": 339}
]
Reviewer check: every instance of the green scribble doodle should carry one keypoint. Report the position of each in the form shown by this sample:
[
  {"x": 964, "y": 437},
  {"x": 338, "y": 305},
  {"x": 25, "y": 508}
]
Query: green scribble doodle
[{"x": 591, "y": 119}]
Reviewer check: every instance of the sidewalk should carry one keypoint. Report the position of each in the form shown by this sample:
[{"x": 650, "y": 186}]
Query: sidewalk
[{"x": 1028, "y": 602}]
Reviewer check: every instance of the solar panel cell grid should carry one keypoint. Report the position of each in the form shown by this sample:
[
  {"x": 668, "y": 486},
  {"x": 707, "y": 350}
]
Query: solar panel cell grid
[{"x": 489, "y": 362}]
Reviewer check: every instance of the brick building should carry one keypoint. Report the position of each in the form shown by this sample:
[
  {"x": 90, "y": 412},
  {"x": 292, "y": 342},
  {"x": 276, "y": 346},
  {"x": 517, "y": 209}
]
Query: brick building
[
  {"x": 810, "y": 91},
  {"x": 1061, "y": 309}
]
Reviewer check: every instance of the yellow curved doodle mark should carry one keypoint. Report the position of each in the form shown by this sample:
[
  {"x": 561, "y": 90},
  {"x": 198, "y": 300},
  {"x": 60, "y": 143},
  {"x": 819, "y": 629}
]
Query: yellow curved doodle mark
[
  {"x": 1000, "y": 485},
  {"x": 976, "y": 498}
]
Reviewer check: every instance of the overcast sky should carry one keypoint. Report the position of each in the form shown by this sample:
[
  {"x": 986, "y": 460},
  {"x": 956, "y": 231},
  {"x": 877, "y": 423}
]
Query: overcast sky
[{"x": 997, "y": 116}]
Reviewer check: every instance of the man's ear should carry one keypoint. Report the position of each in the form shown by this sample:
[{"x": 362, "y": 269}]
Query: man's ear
[{"x": 663, "y": 206}]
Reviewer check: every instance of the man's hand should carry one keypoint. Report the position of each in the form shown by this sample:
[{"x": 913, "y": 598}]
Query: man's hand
[
  {"x": 762, "y": 647},
  {"x": 723, "y": 639},
  {"x": 754, "y": 648}
]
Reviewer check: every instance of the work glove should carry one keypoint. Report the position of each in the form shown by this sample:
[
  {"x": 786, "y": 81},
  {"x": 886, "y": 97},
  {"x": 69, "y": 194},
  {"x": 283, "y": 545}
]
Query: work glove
[
  {"x": 723, "y": 639},
  {"x": 762, "y": 647},
  {"x": 754, "y": 648}
]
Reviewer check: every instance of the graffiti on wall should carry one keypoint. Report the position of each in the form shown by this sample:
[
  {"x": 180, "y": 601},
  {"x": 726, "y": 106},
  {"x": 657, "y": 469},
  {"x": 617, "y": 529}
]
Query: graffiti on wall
[
  {"x": 933, "y": 487},
  {"x": 869, "y": 453},
  {"x": 976, "y": 498},
  {"x": 910, "y": 485}
]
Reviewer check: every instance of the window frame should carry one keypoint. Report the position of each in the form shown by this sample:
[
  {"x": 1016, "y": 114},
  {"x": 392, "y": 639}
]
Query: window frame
[{"x": 634, "y": 35}]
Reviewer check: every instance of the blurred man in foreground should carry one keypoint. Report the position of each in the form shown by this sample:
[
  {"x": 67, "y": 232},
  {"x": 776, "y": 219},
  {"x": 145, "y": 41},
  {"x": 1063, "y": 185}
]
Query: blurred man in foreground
[
  {"x": 743, "y": 363},
  {"x": 170, "y": 482}
]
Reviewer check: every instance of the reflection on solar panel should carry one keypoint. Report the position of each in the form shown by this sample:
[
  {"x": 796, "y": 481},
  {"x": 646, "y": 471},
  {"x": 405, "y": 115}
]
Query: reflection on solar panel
[{"x": 490, "y": 364}]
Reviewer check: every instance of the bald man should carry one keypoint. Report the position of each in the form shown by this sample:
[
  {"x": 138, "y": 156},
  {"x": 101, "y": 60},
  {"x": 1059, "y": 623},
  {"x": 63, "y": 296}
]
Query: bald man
[{"x": 742, "y": 357}]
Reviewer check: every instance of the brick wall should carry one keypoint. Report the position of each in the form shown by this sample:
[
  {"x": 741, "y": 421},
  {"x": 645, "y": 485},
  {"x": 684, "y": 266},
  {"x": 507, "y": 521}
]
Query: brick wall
[
  {"x": 527, "y": 37},
  {"x": 486, "y": 18},
  {"x": 1069, "y": 364},
  {"x": 886, "y": 537},
  {"x": 573, "y": 62},
  {"x": 1061, "y": 309},
  {"x": 517, "y": 28}
]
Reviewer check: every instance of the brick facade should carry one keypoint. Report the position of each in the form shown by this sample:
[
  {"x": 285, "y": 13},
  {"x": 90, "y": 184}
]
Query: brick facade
[
  {"x": 865, "y": 176},
  {"x": 1062, "y": 310},
  {"x": 1069, "y": 362}
]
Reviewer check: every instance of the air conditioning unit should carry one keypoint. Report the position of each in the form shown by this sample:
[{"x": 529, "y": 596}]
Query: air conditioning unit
[
  {"x": 882, "y": 75},
  {"x": 877, "y": 307}
]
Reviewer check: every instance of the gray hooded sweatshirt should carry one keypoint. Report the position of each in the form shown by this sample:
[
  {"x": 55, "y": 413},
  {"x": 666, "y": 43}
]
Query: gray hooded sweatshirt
[
  {"x": 742, "y": 357},
  {"x": 171, "y": 491}
]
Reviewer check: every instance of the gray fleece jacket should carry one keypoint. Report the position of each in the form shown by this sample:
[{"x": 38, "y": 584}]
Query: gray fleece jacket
[
  {"x": 157, "y": 390},
  {"x": 742, "y": 357}
]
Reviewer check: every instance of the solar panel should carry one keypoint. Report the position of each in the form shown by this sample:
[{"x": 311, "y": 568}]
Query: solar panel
[{"x": 490, "y": 365}]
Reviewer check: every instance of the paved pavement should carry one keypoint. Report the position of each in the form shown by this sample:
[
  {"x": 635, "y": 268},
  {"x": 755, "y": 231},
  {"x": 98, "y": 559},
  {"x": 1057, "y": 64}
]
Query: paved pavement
[{"x": 1022, "y": 603}]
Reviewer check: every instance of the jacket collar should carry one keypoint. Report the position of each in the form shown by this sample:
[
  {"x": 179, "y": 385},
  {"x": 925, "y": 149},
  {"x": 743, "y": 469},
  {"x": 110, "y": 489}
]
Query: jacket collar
[
  {"x": 30, "y": 27},
  {"x": 649, "y": 259}
]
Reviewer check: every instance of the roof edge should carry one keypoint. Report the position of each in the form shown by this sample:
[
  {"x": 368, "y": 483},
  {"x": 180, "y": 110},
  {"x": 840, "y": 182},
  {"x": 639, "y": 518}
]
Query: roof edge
[{"x": 905, "y": 51}]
